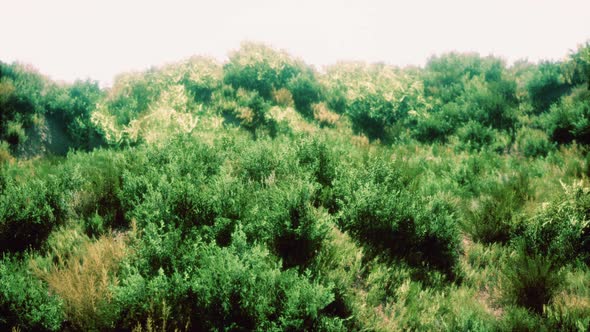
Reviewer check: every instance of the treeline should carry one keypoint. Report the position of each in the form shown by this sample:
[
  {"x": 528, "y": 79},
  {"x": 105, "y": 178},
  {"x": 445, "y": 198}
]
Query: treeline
[{"x": 471, "y": 101}]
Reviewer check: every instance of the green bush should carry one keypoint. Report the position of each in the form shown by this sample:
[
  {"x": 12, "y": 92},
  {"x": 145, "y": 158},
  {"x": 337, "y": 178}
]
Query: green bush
[
  {"x": 256, "y": 67},
  {"x": 249, "y": 110},
  {"x": 15, "y": 133},
  {"x": 29, "y": 211},
  {"x": 298, "y": 230},
  {"x": 25, "y": 301},
  {"x": 546, "y": 86},
  {"x": 370, "y": 115},
  {"x": 494, "y": 217},
  {"x": 475, "y": 137},
  {"x": 533, "y": 143},
  {"x": 238, "y": 287},
  {"x": 316, "y": 156},
  {"x": 531, "y": 280},
  {"x": 561, "y": 230},
  {"x": 94, "y": 183},
  {"x": 383, "y": 214},
  {"x": 569, "y": 120},
  {"x": 435, "y": 127},
  {"x": 306, "y": 91},
  {"x": 72, "y": 106}
]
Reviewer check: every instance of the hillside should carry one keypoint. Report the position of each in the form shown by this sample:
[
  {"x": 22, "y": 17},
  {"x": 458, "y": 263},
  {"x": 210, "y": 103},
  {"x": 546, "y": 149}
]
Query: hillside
[{"x": 263, "y": 194}]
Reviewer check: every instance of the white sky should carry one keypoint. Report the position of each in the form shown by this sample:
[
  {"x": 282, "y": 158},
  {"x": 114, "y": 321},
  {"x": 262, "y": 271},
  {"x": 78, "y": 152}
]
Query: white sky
[{"x": 69, "y": 39}]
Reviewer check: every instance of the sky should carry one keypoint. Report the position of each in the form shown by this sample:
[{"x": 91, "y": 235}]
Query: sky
[{"x": 79, "y": 39}]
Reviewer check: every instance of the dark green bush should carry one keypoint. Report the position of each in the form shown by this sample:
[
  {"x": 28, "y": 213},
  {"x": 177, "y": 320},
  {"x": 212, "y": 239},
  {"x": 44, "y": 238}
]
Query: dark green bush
[
  {"x": 29, "y": 211},
  {"x": 336, "y": 100},
  {"x": 546, "y": 86},
  {"x": 569, "y": 120},
  {"x": 25, "y": 301},
  {"x": 306, "y": 91},
  {"x": 435, "y": 127},
  {"x": 256, "y": 67},
  {"x": 132, "y": 95},
  {"x": 72, "y": 107},
  {"x": 297, "y": 230},
  {"x": 387, "y": 217},
  {"x": 240, "y": 287},
  {"x": 531, "y": 280},
  {"x": 94, "y": 181},
  {"x": 248, "y": 110},
  {"x": 316, "y": 156},
  {"x": 371, "y": 115}
]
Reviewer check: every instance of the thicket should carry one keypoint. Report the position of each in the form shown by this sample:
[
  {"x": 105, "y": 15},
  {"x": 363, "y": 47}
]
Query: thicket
[{"x": 261, "y": 194}]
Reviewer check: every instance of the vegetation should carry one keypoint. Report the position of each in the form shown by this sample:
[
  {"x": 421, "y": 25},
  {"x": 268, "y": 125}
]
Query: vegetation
[{"x": 261, "y": 194}]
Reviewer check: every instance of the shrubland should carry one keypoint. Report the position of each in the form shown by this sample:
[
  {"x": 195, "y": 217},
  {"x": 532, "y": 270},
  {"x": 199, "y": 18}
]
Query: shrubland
[{"x": 264, "y": 194}]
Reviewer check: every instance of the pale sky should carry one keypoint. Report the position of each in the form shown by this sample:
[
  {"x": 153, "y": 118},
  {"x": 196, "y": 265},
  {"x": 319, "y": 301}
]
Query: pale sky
[{"x": 70, "y": 39}]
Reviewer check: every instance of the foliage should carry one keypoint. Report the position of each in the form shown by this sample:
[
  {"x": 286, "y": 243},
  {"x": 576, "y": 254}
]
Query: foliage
[
  {"x": 531, "y": 280},
  {"x": 533, "y": 143},
  {"x": 546, "y": 86},
  {"x": 494, "y": 216},
  {"x": 568, "y": 119},
  {"x": 305, "y": 91},
  {"x": 387, "y": 217},
  {"x": 25, "y": 301},
  {"x": 261, "y": 194},
  {"x": 29, "y": 210},
  {"x": 82, "y": 276},
  {"x": 561, "y": 230},
  {"x": 259, "y": 68}
]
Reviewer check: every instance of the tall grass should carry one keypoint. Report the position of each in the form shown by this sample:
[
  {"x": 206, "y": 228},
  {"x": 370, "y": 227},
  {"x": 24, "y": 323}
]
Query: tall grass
[{"x": 83, "y": 280}]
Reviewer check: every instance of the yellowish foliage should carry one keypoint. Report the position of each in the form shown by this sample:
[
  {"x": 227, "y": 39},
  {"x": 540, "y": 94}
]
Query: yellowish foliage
[
  {"x": 323, "y": 115},
  {"x": 82, "y": 277},
  {"x": 245, "y": 114},
  {"x": 283, "y": 97}
]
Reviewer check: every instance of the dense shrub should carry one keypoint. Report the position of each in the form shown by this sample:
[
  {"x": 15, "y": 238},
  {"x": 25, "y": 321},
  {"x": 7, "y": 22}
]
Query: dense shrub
[
  {"x": 94, "y": 183},
  {"x": 494, "y": 216},
  {"x": 29, "y": 211},
  {"x": 305, "y": 91},
  {"x": 132, "y": 95},
  {"x": 189, "y": 223},
  {"x": 316, "y": 156},
  {"x": 259, "y": 68},
  {"x": 533, "y": 143},
  {"x": 25, "y": 301},
  {"x": 371, "y": 115},
  {"x": 297, "y": 230},
  {"x": 381, "y": 213},
  {"x": 248, "y": 110},
  {"x": 531, "y": 280},
  {"x": 434, "y": 127},
  {"x": 546, "y": 86},
  {"x": 568, "y": 120},
  {"x": 475, "y": 137},
  {"x": 72, "y": 106},
  {"x": 561, "y": 230},
  {"x": 238, "y": 287}
]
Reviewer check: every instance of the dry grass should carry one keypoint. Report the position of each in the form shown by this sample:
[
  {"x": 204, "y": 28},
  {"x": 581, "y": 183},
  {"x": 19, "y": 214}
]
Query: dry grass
[
  {"x": 5, "y": 156},
  {"x": 83, "y": 281},
  {"x": 245, "y": 114},
  {"x": 283, "y": 97},
  {"x": 324, "y": 116}
]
